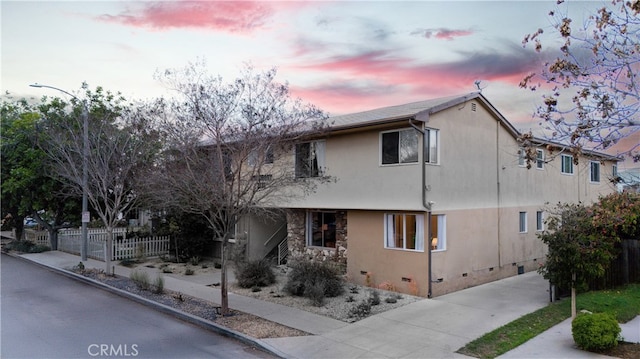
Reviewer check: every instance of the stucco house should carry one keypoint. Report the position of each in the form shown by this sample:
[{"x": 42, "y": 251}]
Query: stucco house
[{"x": 430, "y": 197}]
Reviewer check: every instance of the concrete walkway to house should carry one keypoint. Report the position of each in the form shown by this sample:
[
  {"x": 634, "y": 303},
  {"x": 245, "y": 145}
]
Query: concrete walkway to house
[{"x": 430, "y": 328}]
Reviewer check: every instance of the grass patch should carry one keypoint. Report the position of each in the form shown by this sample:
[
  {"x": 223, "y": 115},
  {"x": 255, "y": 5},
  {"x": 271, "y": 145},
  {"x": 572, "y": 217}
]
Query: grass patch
[{"x": 623, "y": 303}]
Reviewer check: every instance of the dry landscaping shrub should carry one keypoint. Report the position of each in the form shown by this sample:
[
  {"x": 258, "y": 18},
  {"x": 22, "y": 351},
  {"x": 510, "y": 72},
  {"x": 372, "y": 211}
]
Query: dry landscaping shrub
[
  {"x": 391, "y": 300},
  {"x": 315, "y": 292},
  {"x": 141, "y": 278},
  {"x": 158, "y": 285},
  {"x": 312, "y": 280},
  {"x": 255, "y": 273},
  {"x": 361, "y": 310},
  {"x": 374, "y": 297}
]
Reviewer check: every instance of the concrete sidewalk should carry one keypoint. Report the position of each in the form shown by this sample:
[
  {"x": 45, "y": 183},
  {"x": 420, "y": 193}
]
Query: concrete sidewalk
[
  {"x": 430, "y": 328},
  {"x": 557, "y": 342}
]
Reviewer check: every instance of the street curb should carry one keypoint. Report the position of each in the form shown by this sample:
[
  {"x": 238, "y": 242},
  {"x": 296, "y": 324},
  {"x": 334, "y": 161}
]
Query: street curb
[{"x": 203, "y": 323}]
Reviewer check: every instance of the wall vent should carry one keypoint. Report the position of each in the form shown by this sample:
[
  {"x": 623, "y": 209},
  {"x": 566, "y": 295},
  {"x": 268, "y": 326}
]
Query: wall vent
[{"x": 473, "y": 107}]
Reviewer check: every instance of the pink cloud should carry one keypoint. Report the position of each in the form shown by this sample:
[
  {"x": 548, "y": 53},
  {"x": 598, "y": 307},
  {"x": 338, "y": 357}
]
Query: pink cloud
[
  {"x": 229, "y": 16},
  {"x": 381, "y": 78},
  {"x": 442, "y": 33}
]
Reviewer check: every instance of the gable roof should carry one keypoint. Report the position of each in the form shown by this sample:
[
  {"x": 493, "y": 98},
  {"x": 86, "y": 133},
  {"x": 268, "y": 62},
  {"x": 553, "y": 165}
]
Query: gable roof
[
  {"x": 389, "y": 114},
  {"x": 415, "y": 110},
  {"x": 421, "y": 111}
]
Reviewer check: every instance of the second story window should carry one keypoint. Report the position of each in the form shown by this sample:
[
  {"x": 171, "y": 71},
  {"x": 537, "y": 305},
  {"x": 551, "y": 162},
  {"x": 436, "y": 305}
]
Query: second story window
[
  {"x": 399, "y": 146},
  {"x": 566, "y": 165},
  {"x": 539, "y": 221},
  {"x": 540, "y": 159},
  {"x": 522, "y": 160},
  {"x": 432, "y": 138},
  {"x": 310, "y": 159},
  {"x": 594, "y": 172}
]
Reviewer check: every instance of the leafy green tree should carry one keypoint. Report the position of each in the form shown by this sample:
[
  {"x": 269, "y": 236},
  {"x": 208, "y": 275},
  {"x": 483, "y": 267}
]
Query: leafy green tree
[
  {"x": 617, "y": 215},
  {"x": 581, "y": 245},
  {"x": 28, "y": 186},
  {"x": 121, "y": 144},
  {"x": 591, "y": 88}
]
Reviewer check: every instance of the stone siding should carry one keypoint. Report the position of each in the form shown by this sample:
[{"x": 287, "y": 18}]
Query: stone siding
[{"x": 298, "y": 250}]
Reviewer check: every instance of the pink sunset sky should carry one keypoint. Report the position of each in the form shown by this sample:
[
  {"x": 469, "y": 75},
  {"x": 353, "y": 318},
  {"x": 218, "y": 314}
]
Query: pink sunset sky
[{"x": 343, "y": 56}]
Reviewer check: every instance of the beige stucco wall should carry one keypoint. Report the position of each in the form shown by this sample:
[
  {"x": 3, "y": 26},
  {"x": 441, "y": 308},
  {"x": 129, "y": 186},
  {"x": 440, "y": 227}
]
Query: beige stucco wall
[
  {"x": 477, "y": 184},
  {"x": 474, "y": 254},
  {"x": 368, "y": 255},
  {"x": 358, "y": 180}
]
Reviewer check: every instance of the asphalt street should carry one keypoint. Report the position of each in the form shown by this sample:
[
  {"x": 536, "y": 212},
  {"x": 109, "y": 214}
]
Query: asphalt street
[{"x": 48, "y": 315}]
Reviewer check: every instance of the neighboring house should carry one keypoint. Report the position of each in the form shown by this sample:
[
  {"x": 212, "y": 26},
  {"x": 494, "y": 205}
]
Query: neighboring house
[
  {"x": 461, "y": 211},
  {"x": 629, "y": 180}
]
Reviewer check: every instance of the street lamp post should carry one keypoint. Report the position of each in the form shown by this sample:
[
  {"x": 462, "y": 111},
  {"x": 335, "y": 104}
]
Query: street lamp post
[{"x": 85, "y": 173}]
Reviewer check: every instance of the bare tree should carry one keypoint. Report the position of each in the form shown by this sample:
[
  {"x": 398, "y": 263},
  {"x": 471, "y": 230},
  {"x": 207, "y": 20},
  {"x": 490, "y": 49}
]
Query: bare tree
[
  {"x": 120, "y": 144},
  {"x": 228, "y": 149},
  {"x": 591, "y": 90}
]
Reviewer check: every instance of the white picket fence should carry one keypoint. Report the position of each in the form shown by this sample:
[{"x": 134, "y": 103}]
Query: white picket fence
[
  {"x": 140, "y": 247},
  {"x": 37, "y": 237},
  {"x": 70, "y": 241}
]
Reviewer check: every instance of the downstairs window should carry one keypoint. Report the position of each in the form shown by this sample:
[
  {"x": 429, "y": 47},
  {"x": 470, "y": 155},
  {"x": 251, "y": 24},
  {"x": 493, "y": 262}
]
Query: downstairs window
[{"x": 404, "y": 231}]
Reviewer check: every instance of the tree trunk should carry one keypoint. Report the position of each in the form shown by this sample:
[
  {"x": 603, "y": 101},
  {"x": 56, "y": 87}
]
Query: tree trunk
[
  {"x": 19, "y": 223},
  {"x": 573, "y": 296},
  {"x": 53, "y": 238},
  {"x": 108, "y": 254},
  {"x": 626, "y": 244},
  {"x": 224, "y": 298}
]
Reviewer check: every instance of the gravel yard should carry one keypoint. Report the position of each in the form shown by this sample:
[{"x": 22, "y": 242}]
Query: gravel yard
[
  {"x": 341, "y": 307},
  {"x": 356, "y": 303}
]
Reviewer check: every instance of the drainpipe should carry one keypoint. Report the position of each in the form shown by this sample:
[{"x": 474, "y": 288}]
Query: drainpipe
[{"x": 425, "y": 204}]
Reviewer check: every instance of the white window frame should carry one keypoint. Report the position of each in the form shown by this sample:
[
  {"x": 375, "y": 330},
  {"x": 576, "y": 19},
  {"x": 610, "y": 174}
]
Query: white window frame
[
  {"x": 319, "y": 155},
  {"x": 564, "y": 163},
  {"x": 614, "y": 171},
  {"x": 400, "y": 161},
  {"x": 440, "y": 236},
  {"x": 389, "y": 231},
  {"x": 539, "y": 159},
  {"x": 521, "y": 157},
  {"x": 591, "y": 171},
  {"x": 539, "y": 221},
  {"x": 432, "y": 135},
  {"x": 522, "y": 222}
]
